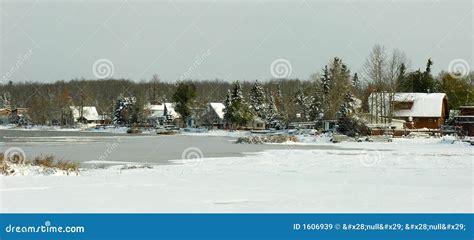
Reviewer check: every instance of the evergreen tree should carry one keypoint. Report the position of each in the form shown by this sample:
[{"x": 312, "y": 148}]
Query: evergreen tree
[
  {"x": 271, "y": 111},
  {"x": 418, "y": 81},
  {"x": 228, "y": 106},
  {"x": 122, "y": 110},
  {"x": 183, "y": 97},
  {"x": 239, "y": 110},
  {"x": 347, "y": 107},
  {"x": 355, "y": 81},
  {"x": 303, "y": 102},
  {"x": 258, "y": 100}
]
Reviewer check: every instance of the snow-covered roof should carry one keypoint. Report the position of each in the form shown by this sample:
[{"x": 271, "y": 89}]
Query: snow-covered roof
[
  {"x": 218, "y": 109},
  {"x": 423, "y": 104},
  {"x": 170, "y": 110},
  {"x": 156, "y": 110},
  {"x": 88, "y": 112}
]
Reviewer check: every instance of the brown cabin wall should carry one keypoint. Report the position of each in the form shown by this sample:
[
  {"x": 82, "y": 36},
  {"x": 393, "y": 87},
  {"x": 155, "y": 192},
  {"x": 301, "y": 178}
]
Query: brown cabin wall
[{"x": 428, "y": 122}]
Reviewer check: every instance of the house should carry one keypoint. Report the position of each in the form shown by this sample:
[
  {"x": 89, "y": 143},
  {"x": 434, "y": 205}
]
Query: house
[
  {"x": 465, "y": 120},
  {"x": 155, "y": 113},
  {"x": 214, "y": 116},
  {"x": 85, "y": 114},
  {"x": 419, "y": 110},
  {"x": 5, "y": 114},
  {"x": 169, "y": 112},
  {"x": 256, "y": 124}
]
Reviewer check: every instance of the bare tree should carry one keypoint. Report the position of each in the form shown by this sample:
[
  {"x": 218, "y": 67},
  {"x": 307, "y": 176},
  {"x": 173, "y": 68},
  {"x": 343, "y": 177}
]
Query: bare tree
[{"x": 382, "y": 70}]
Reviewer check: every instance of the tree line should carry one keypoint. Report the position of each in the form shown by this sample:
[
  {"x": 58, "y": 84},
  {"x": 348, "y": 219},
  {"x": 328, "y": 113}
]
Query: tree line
[{"x": 329, "y": 93}]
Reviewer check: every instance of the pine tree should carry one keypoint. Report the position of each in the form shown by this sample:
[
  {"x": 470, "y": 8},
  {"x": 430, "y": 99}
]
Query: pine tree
[
  {"x": 240, "y": 111},
  {"x": 258, "y": 100},
  {"x": 122, "y": 110},
  {"x": 355, "y": 81},
  {"x": 183, "y": 97},
  {"x": 326, "y": 80},
  {"x": 271, "y": 111},
  {"x": 303, "y": 102},
  {"x": 228, "y": 106},
  {"x": 347, "y": 107}
]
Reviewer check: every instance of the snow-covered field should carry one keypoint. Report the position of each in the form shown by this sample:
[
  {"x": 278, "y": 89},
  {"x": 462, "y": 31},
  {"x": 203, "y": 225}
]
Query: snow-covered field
[{"x": 408, "y": 175}]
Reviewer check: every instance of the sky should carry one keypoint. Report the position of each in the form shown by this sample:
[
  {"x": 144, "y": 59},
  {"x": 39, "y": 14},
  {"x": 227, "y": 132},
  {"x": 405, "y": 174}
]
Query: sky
[{"x": 46, "y": 41}]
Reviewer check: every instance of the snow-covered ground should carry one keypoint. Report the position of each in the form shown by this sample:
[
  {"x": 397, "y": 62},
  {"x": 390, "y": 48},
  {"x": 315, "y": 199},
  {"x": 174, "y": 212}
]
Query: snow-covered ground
[{"x": 408, "y": 175}]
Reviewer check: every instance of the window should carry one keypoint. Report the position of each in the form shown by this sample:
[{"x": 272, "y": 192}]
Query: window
[{"x": 402, "y": 105}]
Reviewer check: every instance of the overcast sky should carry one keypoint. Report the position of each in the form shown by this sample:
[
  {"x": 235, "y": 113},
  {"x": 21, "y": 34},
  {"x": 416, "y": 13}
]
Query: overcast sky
[{"x": 52, "y": 40}]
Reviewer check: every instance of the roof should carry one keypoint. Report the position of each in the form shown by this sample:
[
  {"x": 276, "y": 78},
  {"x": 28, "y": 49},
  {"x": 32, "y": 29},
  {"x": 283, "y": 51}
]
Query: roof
[
  {"x": 88, "y": 112},
  {"x": 156, "y": 110},
  {"x": 170, "y": 110},
  {"x": 218, "y": 109},
  {"x": 424, "y": 104}
]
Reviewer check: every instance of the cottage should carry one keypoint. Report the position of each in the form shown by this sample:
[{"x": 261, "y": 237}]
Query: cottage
[
  {"x": 169, "y": 111},
  {"x": 465, "y": 119},
  {"x": 257, "y": 124},
  {"x": 419, "y": 110},
  {"x": 85, "y": 114},
  {"x": 155, "y": 113},
  {"x": 215, "y": 115}
]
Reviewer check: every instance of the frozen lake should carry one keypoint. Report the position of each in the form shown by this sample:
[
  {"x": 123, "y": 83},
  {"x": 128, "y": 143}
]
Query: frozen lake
[{"x": 151, "y": 149}]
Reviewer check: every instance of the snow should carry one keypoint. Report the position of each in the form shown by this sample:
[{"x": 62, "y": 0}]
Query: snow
[
  {"x": 88, "y": 112},
  {"x": 407, "y": 175},
  {"x": 218, "y": 109},
  {"x": 156, "y": 110},
  {"x": 170, "y": 110},
  {"x": 424, "y": 104},
  {"x": 218, "y": 133}
]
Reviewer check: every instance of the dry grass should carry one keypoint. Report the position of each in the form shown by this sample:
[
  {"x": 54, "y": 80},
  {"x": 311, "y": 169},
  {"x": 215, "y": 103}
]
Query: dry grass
[
  {"x": 47, "y": 162},
  {"x": 50, "y": 162},
  {"x": 4, "y": 169}
]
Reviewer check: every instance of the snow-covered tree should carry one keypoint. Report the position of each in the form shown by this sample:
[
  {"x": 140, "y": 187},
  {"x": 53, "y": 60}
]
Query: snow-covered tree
[
  {"x": 258, "y": 100},
  {"x": 238, "y": 112},
  {"x": 347, "y": 107},
  {"x": 228, "y": 106},
  {"x": 304, "y": 103},
  {"x": 271, "y": 111},
  {"x": 122, "y": 110}
]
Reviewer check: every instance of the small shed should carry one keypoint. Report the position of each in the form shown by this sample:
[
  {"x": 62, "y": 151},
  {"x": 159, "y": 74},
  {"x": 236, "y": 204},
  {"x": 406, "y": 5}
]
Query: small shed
[{"x": 465, "y": 119}]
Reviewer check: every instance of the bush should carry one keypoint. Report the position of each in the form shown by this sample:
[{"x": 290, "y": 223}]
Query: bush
[
  {"x": 49, "y": 162},
  {"x": 353, "y": 127}
]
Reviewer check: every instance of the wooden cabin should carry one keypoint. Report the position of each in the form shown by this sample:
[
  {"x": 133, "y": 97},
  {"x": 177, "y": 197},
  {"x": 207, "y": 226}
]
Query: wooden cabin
[{"x": 419, "y": 110}]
